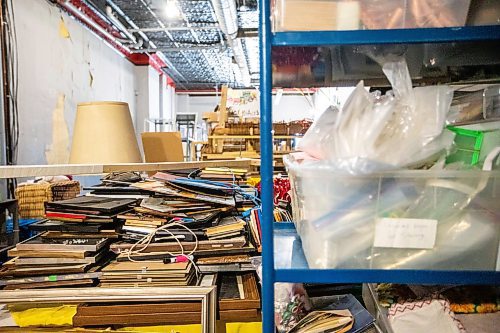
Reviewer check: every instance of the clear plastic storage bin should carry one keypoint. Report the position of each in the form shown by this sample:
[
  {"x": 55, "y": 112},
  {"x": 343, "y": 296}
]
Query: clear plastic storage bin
[
  {"x": 315, "y": 15},
  {"x": 400, "y": 220}
]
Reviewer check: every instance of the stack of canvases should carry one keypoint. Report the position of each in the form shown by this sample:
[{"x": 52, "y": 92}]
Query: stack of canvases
[{"x": 72, "y": 246}]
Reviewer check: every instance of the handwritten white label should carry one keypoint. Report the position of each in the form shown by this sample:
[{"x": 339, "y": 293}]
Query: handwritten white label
[{"x": 405, "y": 233}]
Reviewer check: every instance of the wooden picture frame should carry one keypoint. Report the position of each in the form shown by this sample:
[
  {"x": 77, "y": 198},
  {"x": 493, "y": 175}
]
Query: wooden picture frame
[
  {"x": 206, "y": 295},
  {"x": 251, "y": 298}
]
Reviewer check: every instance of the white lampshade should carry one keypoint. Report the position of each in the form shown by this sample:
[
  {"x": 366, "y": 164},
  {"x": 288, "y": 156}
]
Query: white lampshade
[{"x": 104, "y": 134}]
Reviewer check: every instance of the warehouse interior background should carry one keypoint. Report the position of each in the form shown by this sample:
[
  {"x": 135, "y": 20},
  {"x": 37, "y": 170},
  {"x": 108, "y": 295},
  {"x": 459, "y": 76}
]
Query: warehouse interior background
[
  {"x": 176, "y": 63},
  {"x": 64, "y": 60}
]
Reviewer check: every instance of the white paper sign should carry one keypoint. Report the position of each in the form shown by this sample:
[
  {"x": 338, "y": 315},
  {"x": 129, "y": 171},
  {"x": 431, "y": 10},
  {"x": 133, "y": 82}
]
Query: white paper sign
[{"x": 405, "y": 233}]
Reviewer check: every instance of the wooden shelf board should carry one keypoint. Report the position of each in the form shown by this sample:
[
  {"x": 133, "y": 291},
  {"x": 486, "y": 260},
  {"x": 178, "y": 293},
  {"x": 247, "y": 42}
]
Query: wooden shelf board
[
  {"x": 18, "y": 171},
  {"x": 251, "y": 136}
]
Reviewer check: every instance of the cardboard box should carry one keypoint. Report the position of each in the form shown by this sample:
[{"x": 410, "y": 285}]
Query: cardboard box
[
  {"x": 162, "y": 147},
  {"x": 305, "y": 15},
  {"x": 211, "y": 117}
]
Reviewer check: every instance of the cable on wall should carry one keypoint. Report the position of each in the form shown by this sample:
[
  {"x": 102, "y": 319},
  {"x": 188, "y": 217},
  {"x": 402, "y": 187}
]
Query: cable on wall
[{"x": 8, "y": 37}]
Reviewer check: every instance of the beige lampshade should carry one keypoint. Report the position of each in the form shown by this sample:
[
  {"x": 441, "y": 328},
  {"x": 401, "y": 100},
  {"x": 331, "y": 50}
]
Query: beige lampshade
[{"x": 104, "y": 134}]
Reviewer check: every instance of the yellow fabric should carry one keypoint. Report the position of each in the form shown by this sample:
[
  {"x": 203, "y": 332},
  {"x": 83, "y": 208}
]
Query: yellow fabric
[
  {"x": 164, "y": 329},
  {"x": 243, "y": 327},
  {"x": 55, "y": 315},
  {"x": 230, "y": 328},
  {"x": 43, "y": 316}
]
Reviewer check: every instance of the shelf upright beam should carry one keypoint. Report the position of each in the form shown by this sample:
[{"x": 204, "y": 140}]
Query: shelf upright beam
[{"x": 266, "y": 167}]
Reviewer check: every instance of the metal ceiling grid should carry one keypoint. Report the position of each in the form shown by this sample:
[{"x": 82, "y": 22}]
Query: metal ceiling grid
[{"x": 200, "y": 58}]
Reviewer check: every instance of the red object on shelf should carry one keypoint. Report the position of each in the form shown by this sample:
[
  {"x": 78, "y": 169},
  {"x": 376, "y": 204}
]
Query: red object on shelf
[
  {"x": 66, "y": 215},
  {"x": 281, "y": 190}
]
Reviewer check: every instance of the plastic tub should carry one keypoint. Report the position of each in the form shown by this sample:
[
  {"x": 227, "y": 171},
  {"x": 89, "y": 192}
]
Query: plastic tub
[
  {"x": 399, "y": 220},
  {"x": 316, "y": 15}
]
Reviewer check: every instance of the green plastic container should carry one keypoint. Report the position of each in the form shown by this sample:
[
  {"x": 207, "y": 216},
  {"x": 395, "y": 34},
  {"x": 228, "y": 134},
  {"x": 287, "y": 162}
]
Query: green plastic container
[{"x": 468, "y": 144}]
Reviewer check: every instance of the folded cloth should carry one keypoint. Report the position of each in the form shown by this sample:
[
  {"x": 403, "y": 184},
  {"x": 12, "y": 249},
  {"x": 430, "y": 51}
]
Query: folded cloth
[
  {"x": 43, "y": 315},
  {"x": 428, "y": 315}
]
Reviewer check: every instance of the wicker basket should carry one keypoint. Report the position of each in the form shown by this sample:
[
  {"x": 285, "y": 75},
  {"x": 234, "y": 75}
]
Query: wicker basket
[{"x": 32, "y": 197}]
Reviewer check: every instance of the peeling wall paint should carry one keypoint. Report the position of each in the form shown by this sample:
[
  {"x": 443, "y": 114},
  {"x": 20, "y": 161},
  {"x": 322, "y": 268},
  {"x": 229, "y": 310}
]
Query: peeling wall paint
[
  {"x": 57, "y": 152},
  {"x": 59, "y": 57}
]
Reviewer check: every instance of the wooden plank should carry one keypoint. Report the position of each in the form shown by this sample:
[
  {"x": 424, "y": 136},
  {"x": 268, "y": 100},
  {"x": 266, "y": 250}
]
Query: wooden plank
[
  {"x": 223, "y": 108},
  {"x": 18, "y": 171},
  {"x": 47, "y": 254},
  {"x": 139, "y": 319},
  {"x": 237, "y": 316},
  {"x": 41, "y": 285},
  {"x": 174, "y": 307},
  {"x": 229, "y": 136},
  {"x": 174, "y": 165},
  {"x": 232, "y": 155}
]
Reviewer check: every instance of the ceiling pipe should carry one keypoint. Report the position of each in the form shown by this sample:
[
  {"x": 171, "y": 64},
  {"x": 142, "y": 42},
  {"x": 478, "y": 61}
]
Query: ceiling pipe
[
  {"x": 136, "y": 43},
  {"x": 227, "y": 15},
  {"x": 172, "y": 49},
  {"x": 98, "y": 29},
  {"x": 180, "y": 28}
]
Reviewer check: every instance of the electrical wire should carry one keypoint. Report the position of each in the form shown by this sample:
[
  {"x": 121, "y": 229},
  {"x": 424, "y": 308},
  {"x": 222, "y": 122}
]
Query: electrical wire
[
  {"x": 11, "y": 85},
  {"x": 147, "y": 239}
]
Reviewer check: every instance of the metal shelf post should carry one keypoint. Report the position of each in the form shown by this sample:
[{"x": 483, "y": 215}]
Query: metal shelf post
[{"x": 266, "y": 167}]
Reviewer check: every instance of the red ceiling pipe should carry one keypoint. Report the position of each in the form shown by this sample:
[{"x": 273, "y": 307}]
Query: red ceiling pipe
[{"x": 92, "y": 20}]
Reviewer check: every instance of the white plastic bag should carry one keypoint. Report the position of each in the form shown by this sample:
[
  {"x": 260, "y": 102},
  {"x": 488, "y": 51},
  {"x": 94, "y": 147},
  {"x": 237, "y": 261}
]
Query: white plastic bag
[
  {"x": 318, "y": 135},
  {"x": 399, "y": 129}
]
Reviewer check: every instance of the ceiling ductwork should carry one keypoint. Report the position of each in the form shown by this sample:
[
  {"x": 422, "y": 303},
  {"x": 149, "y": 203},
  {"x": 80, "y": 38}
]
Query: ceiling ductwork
[
  {"x": 227, "y": 15},
  {"x": 205, "y": 43}
]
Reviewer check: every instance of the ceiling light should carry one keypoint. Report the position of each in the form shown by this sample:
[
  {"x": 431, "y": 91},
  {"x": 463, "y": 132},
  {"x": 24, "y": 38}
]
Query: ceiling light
[{"x": 172, "y": 10}]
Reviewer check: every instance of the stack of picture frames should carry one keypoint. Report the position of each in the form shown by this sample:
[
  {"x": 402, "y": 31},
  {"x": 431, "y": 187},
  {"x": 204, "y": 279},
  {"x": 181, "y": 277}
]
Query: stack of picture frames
[
  {"x": 112, "y": 308},
  {"x": 46, "y": 262},
  {"x": 238, "y": 300}
]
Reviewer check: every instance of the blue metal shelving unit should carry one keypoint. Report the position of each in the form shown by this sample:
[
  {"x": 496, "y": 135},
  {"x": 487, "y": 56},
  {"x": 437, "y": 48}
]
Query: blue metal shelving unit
[
  {"x": 393, "y": 36},
  {"x": 294, "y": 268}
]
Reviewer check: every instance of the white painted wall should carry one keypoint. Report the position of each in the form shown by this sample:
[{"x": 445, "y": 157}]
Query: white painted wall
[
  {"x": 154, "y": 93},
  {"x": 80, "y": 68},
  {"x": 142, "y": 96},
  {"x": 292, "y": 107}
]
